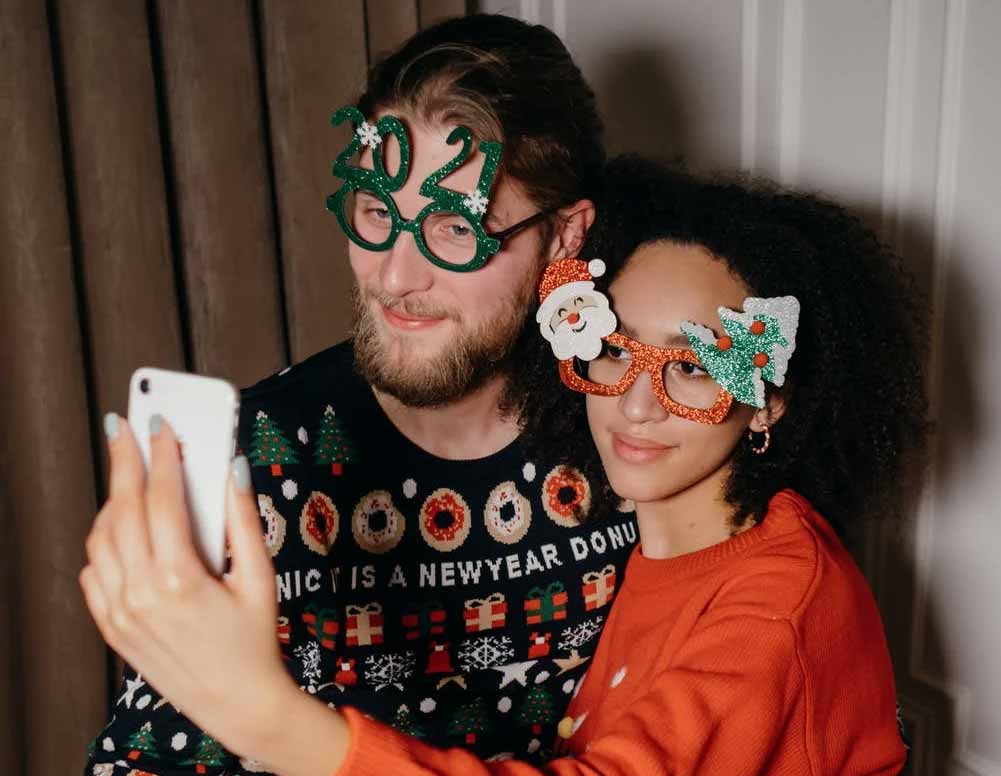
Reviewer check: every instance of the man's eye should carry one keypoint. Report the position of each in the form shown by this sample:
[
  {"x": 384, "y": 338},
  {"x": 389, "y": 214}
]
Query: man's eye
[{"x": 617, "y": 353}]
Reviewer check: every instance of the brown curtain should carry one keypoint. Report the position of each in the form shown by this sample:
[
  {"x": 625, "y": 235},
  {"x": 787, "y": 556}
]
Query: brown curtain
[{"x": 163, "y": 169}]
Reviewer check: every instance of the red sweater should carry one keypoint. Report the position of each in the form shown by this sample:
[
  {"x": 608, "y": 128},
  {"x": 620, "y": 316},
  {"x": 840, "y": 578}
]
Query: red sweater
[{"x": 764, "y": 654}]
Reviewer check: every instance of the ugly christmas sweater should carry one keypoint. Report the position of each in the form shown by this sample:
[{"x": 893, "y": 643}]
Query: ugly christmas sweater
[
  {"x": 761, "y": 655},
  {"x": 458, "y": 601}
]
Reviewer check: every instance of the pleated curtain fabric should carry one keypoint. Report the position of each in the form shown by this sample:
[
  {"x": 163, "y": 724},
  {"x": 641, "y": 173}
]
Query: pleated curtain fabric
[{"x": 163, "y": 170}]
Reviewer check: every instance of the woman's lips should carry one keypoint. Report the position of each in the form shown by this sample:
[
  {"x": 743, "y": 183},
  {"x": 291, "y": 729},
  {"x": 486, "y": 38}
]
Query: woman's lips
[
  {"x": 409, "y": 322},
  {"x": 636, "y": 450}
]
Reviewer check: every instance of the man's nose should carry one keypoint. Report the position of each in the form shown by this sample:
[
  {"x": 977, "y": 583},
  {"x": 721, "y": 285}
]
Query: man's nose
[{"x": 404, "y": 268}]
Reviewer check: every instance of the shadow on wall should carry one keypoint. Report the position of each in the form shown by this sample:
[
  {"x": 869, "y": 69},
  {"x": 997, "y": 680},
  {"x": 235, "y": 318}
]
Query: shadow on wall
[
  {"x": 929, "y": 712},
  {"x": 641, "y": 102}
]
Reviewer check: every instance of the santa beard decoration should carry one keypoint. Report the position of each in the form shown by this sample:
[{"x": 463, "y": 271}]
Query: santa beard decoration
[{"x": 572, "y": 316}]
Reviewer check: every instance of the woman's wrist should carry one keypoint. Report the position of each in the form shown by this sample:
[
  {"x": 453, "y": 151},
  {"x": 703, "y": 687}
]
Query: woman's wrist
[{"x": 296, "y": 734}]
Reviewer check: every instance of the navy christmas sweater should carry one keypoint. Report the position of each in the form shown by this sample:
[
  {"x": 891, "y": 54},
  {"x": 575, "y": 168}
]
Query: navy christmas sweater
[{"x": 459, "y": 601}]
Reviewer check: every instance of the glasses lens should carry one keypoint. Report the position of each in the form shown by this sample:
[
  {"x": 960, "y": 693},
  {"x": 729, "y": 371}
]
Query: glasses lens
[
  {"x": 608, "y": 368},
  {"x": 369, "y": 216},
  {"x": 689, "y": 384},
  {"x": 450, "y": 237}
]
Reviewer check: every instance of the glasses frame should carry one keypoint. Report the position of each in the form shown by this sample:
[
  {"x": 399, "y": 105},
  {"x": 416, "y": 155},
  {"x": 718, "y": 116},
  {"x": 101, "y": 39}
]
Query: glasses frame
[
  {"x": 398, "y": 223},
  {"x": 650, "y": 359}
]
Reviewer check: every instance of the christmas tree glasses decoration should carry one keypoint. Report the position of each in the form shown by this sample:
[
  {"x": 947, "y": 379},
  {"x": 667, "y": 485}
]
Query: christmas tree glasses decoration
[
  {"x": 756, "y": 347},
  {"x": 449, "y": 230}
]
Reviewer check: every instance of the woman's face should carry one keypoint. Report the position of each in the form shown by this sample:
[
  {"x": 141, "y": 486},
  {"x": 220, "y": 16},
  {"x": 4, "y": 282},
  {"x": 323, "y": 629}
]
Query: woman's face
[{"x": 648, "y": 453}]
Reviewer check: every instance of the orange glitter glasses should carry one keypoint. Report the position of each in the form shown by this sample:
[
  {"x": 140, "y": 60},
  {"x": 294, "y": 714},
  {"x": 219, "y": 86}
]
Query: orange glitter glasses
[{"x": 679, "y": 381}]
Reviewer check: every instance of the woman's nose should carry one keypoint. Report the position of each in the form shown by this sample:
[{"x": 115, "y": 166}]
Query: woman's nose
[{"x": 640, "y": 404}]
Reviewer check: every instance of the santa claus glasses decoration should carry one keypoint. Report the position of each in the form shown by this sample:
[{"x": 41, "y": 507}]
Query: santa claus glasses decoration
[
  {"x": 449, "y": 230},
  {"x": 698, "y": 383}
]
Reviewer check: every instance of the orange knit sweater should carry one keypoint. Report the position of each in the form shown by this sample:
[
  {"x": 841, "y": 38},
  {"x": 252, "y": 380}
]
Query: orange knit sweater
[{"x": 764, "y": 654}]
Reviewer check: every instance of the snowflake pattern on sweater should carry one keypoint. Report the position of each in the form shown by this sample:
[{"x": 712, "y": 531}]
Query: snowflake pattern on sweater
[{"x": 459, "y": 590}]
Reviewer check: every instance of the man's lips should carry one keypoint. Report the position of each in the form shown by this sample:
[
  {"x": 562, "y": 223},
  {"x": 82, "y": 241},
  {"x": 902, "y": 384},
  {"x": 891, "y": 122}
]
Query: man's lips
[
  {"x": 406, "y": 322},
  {"x": 636, "y": 449}
]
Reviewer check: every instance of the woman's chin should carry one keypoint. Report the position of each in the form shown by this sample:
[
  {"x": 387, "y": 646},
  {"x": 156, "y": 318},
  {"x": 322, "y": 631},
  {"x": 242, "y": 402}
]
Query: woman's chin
[{"x": 639, "y": 490}]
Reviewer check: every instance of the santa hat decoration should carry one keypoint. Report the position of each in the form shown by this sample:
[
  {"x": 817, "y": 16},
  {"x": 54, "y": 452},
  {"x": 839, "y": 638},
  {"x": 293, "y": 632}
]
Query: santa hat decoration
[{"x": 563, "y": 280}]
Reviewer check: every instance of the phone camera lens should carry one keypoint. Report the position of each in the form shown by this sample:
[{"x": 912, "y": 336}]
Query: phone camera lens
[{"x": 144, "y": 385}]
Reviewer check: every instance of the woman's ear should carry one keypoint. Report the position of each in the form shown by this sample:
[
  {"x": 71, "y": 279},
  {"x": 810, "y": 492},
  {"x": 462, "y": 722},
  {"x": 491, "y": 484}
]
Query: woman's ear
[
  {"x": 574, "y": 221},
  {"x": 770, "y": 414}
]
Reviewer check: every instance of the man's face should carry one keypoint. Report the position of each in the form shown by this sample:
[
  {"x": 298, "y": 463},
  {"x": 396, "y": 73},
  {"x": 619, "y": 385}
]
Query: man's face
[{"x": 427, "y": 335}]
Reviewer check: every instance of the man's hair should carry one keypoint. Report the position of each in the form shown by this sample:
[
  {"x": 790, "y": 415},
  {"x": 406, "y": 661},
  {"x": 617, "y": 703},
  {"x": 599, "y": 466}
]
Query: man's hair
[
  {"x": 507, "y": 81},
  {"x": 855, "y": 399}
]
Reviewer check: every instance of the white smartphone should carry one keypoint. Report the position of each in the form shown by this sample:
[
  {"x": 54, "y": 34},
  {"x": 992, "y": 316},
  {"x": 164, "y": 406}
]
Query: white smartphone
[{"x": 204, "y": 413}]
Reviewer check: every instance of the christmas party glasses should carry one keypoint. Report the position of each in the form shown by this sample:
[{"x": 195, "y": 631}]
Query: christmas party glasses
[
  {"x": 449, "y": 230},
  {"x": 448, "y": 239},
  {"x": 679, "y": 381}
]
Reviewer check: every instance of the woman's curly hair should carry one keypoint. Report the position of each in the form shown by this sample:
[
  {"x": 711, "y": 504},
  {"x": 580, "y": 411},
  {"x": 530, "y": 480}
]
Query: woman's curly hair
[{"x": 855, "y": 397}]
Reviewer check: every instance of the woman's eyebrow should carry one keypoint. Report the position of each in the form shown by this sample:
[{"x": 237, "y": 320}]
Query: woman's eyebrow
[{"x": 674, "y": 340}]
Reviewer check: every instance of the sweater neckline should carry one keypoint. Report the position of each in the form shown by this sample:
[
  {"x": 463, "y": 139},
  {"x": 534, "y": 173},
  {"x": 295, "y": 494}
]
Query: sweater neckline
[{"x": 784, "y": 515}]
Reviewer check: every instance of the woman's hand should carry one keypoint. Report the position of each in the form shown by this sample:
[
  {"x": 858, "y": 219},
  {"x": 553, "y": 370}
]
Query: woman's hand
[{"x": 207, "y": 645}]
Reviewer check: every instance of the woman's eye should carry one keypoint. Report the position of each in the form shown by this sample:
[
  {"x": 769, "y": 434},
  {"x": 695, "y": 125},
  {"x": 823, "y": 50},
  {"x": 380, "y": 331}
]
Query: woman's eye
[
  {"x": 378, "y": 213},
  {"x": 616, "y": 353},
  {"x": 692, "y": 370},
  {"x": 460, "y": 230}
]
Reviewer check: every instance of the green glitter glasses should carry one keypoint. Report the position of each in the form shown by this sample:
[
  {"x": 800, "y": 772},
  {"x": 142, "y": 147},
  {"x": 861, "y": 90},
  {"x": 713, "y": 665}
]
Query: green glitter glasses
[{"x": 448, "y": 230}]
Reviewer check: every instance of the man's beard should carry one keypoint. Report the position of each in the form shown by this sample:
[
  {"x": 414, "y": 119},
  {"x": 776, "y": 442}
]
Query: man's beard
[{"x": 462, "y": 366}]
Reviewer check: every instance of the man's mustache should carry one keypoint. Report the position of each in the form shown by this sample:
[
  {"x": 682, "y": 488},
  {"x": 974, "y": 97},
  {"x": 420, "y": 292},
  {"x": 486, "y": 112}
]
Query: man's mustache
[{"x": 410, "y": 305}]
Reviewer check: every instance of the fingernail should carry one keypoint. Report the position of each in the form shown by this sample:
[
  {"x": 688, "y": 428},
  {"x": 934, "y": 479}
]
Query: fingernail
[
  {"x": 110, "y": 425},
  {"x": 241, "y": 473},
  {"x": 155, "y": 422}
]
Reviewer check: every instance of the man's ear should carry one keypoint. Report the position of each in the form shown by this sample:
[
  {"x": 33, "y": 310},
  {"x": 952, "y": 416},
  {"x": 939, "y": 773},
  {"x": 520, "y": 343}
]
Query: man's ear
[
  {"x": 771, "y": 413},
  {"x": 572, "y": 226}
]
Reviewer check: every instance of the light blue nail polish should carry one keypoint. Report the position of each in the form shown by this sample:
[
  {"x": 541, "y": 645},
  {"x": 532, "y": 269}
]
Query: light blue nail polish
[
  {"x": 155, "y": 422},
  {"x": 110, "y": 425},
  {"x": 241, "y": 473}
]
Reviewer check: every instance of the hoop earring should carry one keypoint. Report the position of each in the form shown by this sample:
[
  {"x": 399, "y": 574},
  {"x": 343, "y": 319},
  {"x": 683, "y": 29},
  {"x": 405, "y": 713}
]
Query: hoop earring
[{"x": 764, "y": 447}]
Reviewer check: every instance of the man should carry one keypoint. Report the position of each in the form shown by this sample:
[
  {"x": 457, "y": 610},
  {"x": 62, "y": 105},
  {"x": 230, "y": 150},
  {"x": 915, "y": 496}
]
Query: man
[{"x": 428, "y": 571}]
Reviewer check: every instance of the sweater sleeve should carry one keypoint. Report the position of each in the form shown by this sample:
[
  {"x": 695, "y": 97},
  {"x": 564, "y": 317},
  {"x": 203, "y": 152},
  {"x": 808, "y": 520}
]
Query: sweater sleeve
[
  {"x": 147, "y": 734},
  {"x": 724, "y": 705}
]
